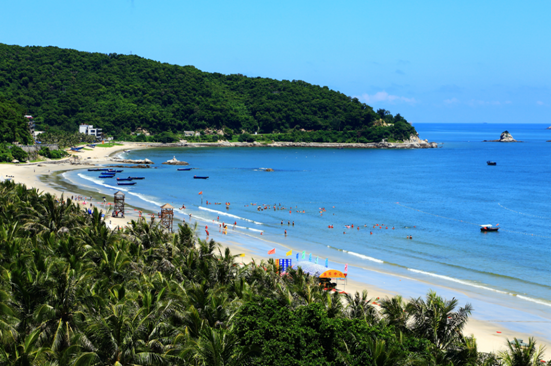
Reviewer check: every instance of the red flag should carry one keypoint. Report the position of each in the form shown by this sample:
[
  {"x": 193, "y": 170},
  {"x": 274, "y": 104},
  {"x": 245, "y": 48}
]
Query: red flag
[
  {"x": 201, "y": 192},
  {"x": 271, "y": 251}
]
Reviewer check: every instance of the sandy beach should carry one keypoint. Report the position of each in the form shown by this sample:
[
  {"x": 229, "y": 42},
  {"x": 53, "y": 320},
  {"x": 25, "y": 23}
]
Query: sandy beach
[{"x": 490, "y": 336}]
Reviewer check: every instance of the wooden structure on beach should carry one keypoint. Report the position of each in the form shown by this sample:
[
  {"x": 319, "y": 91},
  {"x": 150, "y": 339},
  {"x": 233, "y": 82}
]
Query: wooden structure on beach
[
  {"x": 167, "y": 216},
  {"x": 119, "y": 204}
]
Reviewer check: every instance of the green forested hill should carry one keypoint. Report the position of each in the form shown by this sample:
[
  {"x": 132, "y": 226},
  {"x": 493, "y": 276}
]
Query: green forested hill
[
  {"x": 121, "y": 93},
  {"x": 13, "y": 124}
]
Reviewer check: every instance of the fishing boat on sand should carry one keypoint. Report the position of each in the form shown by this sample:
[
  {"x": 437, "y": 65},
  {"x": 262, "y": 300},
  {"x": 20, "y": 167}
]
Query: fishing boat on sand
[
  {"x": 488, "y": 228},
  {"x": 126, "y": 183},
  {"x": 491, "y": 162},
  {"x": 198, "y": 177}
]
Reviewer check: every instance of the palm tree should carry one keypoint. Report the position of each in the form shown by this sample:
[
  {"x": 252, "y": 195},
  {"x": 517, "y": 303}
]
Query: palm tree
[
  {"x": 360, "y": 307},
  {"x": 435, "y": 319},
  {"x": 397, "y": 313},
  {"x": 519, "y": 354}
]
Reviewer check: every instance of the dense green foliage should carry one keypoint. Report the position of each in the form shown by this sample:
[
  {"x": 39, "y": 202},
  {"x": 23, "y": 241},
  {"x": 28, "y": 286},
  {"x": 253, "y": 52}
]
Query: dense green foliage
[
  {"x": 121, "y": 93},
  {"x": 13, "y": 124},
  {"x": 74, "y": 292},
  {"x": 52, "y": 154},
  {"x": 10, "y": 152},
  {"x": 64, "y": 139}
]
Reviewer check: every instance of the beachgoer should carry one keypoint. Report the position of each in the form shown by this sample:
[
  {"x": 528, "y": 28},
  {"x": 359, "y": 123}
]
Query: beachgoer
[{"x": 293, "y": 223}]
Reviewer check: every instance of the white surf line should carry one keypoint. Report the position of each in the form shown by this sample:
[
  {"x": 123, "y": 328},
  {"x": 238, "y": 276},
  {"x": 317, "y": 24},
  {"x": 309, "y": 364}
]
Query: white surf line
[
  {"x": 230, "y": 215},
  {"x": 467, "y": 283}
]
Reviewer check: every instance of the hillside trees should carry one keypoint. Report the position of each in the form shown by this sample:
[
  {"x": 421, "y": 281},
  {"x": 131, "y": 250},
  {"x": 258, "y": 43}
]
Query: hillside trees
[
  {"x": 13, "y": 124},
  {"x": 121, "y": 93}
]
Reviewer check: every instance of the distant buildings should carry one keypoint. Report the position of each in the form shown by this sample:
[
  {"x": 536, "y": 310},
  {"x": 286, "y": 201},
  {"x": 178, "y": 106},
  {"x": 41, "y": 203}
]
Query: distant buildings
[
  {"x": 90, "y": 130},
  {"x": 191, "y": 133},
  {"x": 30, "y": 124}
]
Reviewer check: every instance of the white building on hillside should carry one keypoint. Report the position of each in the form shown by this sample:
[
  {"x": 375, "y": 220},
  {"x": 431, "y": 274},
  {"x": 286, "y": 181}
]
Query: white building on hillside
[{"x": 90, "y": 130}]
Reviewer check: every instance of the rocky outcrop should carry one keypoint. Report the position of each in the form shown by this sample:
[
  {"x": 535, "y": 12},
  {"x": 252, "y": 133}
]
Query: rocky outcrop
[
  {"x": 505, "y": 137},
  {"x": 268, "y": 170},
  {"x": 139, "y": 166},
  {"x": 130, "y": 161},
  {"x": 175, "y": 161}
]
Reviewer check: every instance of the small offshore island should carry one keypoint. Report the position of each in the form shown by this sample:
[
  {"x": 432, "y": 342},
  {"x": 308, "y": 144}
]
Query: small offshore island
[{"x": 505, "y": 137}]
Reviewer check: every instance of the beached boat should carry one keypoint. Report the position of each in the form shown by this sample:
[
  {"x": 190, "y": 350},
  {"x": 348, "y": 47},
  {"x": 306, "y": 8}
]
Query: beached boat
[
  {"x": 184, "y": 169},
  {"x": 488, "y": 228},
  {"x": 198, "y": 177},
  {"x": 491, "y": 162},
  {"x": 106, "y": 176},
  {"x": 136, "y": 178},
  {"x": 119, "y": 179},
  {"x": 126, "y": 183}
]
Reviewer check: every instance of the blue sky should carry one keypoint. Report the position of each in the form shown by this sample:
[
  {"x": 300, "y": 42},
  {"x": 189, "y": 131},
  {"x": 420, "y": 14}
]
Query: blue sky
[{"x": 431, "y": 61}]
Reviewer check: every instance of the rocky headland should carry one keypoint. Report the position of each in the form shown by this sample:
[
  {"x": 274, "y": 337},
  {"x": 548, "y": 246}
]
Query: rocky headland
[
  {"x": 414, "y": 142},
  {"x": 505, "y": 137}
]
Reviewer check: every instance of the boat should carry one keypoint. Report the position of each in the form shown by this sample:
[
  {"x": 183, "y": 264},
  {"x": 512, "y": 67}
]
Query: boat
[
  {"x": 198, "y": 177},
  {"x": 491, "y": 162},
  {"x": 115, "y": 171},
  {"x": 184, "y": 169},
  {"x": 119, "y": 179},
  {"x": 108, "y": 173},
  {"x": 126, "y": 183},
  {"x": 136, "y": 178},
  {"x": 488, "y": 228},
  {"x": 96, "y": 170},
  {"x": 106, "y": 176}
]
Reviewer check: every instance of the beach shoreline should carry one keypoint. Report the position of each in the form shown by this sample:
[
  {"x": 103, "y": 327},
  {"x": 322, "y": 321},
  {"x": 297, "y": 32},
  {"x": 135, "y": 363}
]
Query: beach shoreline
[{"x": 41, "y": 177}]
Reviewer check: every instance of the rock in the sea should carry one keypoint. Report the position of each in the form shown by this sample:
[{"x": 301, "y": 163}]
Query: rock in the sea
[
  {"x": 175, "y": 161},
  {"x": 268, "y": 170},
  {"x": 505, "y": 137}
]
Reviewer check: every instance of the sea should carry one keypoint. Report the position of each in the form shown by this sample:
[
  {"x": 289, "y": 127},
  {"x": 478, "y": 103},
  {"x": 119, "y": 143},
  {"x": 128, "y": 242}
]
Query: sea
[{"x": 412, "y": 213}]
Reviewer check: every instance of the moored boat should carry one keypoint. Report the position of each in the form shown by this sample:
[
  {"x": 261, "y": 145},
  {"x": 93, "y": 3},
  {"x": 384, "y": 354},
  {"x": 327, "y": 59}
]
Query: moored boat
[
  {"x": 119, "y": 179},
  {"x": 135, "y": 178},
  {"x": 488, "y": 228},
  {"x": 115, "y": 171},
  {"x": 183, "y": 169},
  {"x": 491, "y": 162},
  {"x": 106, "y": 176},
  {"x": 126, "y": 183},
  {"x": 198, "y": 177}
]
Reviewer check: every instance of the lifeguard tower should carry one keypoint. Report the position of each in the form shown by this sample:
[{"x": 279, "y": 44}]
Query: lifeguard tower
[
  {"x": 167, "y": 216},
  {"x": 118, "y": 208}
]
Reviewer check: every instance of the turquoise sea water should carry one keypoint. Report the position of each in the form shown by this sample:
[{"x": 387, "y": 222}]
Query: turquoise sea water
[{"x": 438, "y": 196}]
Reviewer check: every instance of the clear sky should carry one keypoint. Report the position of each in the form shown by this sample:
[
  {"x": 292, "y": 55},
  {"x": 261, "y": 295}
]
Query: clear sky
[{"x": 431, "y": 61}]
